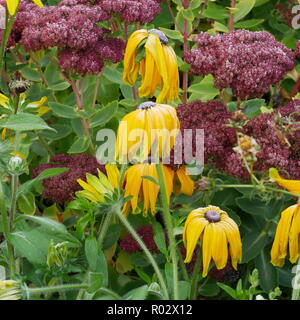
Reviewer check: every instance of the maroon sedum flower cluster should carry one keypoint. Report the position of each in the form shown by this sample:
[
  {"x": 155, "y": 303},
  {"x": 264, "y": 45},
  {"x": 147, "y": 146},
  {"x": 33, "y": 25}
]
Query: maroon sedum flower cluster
[
  {"x": 277, "y": 134},
  {"x": 62, "y": 188},
  {"x": 247, "y": 62}
]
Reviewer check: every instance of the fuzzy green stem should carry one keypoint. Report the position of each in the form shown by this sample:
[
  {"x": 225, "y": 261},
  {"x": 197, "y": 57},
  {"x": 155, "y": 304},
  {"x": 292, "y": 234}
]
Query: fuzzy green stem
[
  {"x": 183, "y": 270},
  {"x": 148, "y": 254},
  {"x": 5, "y": 38},
  {"x": 296, "y": 286},
  {"x": 249, "y": 186},
  {"x": 169, "y": 226},
  {"x": 73, "y": 286},
  {"x": 104, "y": 228},
  {"x": 195, "y": 277}
]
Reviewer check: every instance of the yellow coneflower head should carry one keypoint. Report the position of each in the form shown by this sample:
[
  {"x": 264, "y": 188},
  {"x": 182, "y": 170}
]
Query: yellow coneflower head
[
  {"x": 12, "y": 5},
  {"x": 158, "y": 66},
  {"x": 150, "y": 128},
  {"x": 291, "y": 185},
  {"x": 96, "y": 188},
  {"x": 287, "y": 234},
  {"x": 142, "y": 189},
  {"x": 219, "y": 236}
]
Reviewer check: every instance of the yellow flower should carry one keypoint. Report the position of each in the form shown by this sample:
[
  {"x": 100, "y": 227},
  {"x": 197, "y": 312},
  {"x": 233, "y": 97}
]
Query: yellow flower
[
  {"x": 96, "y": 188},
  {"x": 183, "y": 182},
  {"x": 150, "y": 125},
  {"x": 158, "y": 67},
  {"x": 39, "y": 106},
  {"x": 10, "y": 290},
  {"x": 291, "y": 185},
  {"x": 142, "y": 189},
  {"x": 12, "y": 5},
  {"x": 287, "y": 233},
  {"x": 216, "y": 230}
]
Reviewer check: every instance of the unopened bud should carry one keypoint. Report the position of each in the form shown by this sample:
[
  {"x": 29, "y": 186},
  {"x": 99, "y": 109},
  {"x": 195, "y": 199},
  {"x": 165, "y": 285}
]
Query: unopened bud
[{"x": 16, "y": 165}]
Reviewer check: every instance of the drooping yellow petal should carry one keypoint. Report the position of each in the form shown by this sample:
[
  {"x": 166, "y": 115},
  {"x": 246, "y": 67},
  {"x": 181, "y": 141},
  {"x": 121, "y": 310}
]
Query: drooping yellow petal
[
  {"x": 207, "y": 245},
  {"x": 234, "y": 240},
  {"x": 220, "y": 247},
  {"x": 294, "y": 235},
  {"x": 113, "y": 174},
  {"x": 131, "y": 68},
  {"x": 291, "y": 185},
  {"x": 186, "y": 183},
  {"x": 279, "y": 247},
  {"x": 170, "y": 92},
  {"x": 192, "y": 234},
  {"x": 12, "y": 6}
]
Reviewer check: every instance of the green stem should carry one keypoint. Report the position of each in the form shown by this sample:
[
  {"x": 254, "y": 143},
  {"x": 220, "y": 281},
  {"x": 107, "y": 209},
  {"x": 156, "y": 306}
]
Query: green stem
[
  {"x": 104, "y": 228},
  {"x": 296, "y": 286},
  {"x": 184, "y": 272},
  {"x": 249, "y": 186},
  {"x": 169, "y": 226},
  {"x": 137, "y": 238},
  {"x": 195, "y": 277},
  {"x": 12, "y": 212},
  {"x": 5, "y": 38},
  {"x": 36, "y": 291}
]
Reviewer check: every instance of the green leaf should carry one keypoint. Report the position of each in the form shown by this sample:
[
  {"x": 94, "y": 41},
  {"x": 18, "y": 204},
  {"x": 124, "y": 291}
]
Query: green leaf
[
  {"x": 172, "y": 34},
  {"x": 26, "y": 203},
  {"x": 59, "y": 86},
  {"x": 253, "y": 107},
  {"x": 25, "y": 122},
  {"x": 220, "y": 27},
  {"x": 169, "y": 275},
  {"x": 96, "y": 259},
  {"x": 260, "y": 208},
  {"x": 54, "y": 228},
  {"x": 184, "y": 288},
  {"x": 244, "y": 6},
  {"x": 104, "y": 115},
  {"x": 204, "y": 90},
  {"x": 62, "y": 110},
  {"x": 80, "y": 145},
  {"x": 228, "y": 290},
  {"x": 209, "y": 289},
  {"x": 253, "y": 243},
  {"x": 268, "y": 275},
  {"x": 113, "y": 75},
  {"x": 95, "y": 281},
  {"x": 215, "y": 12},
  {"x": 249, "y": 23},
  {"x": 112, "y": 236},
  {"x": 159, "y": 237},
  {"x": 137, "y": 294},
  {"x": 62, "y": 131},
  {"x": 30, "y": 74}
]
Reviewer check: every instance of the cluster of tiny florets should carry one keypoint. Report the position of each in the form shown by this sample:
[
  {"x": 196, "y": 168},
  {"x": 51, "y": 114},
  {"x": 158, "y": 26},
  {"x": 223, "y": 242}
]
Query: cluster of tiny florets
[
  {"x": 129, "y": 245},
  {"x": 247, "y": 62},
  {"x": 133, "y": 10},
  {"x": 277, "y": 135},
  {"x": 61, "y": 188},
  {"x": 298, "y": 49}
]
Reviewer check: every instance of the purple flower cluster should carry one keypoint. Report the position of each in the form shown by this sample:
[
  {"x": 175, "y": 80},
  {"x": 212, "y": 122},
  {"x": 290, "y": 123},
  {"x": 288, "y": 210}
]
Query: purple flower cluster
[
  {"x": 212, "y": 117},
  {"x": 247, "y": 62},
  {"x": 133, "y": 10},
  {"x": 129, "y": 245},
  {"x": 298, "y": 49},
  {"x": 277, "y": 135},
  {"x": 62, "y": 187}
]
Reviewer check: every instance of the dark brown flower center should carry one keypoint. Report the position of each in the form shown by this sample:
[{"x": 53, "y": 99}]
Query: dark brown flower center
[
  {"x": 212, "y": 216},
  {"x": 146, "y": 105},
  {"x": 162, "y": 37}
]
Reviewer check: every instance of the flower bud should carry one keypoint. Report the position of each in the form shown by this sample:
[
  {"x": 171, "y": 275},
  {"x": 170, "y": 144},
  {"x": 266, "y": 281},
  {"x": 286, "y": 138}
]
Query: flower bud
[{"x": 16, "y": 165}]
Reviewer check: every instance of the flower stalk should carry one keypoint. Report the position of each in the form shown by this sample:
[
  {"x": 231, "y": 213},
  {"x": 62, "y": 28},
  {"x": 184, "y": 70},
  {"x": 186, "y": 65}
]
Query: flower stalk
[{"x": 169, "y": 226}]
